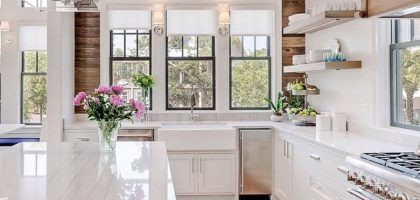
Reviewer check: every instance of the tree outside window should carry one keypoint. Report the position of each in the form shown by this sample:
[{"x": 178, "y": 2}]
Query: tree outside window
[
  {"x": 34, "y": 86},
  {"x": 250, "y": 79},
  {"x": 190, "y": 69}
]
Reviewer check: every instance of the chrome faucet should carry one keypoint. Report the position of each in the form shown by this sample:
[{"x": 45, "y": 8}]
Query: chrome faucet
[{"x": 193, "y": 103}]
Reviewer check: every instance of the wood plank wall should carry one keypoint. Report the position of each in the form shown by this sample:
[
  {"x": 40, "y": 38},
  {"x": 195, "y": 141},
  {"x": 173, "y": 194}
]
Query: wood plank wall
[
  {"x": 292, "y": 44},
  {"x": 87, "y": 53}
]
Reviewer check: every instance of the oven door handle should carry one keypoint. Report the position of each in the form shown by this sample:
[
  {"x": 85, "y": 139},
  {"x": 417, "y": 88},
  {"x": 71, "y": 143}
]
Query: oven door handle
[{"x": 361, "y": 194}]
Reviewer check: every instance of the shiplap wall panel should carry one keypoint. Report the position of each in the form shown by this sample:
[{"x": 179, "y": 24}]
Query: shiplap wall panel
[
  {"x": 87, "y": 53},
  {"x": 292, "y": 44}
]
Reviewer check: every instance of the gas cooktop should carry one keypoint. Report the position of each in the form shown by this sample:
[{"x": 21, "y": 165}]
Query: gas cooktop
[{"x": 405, "y": 162}]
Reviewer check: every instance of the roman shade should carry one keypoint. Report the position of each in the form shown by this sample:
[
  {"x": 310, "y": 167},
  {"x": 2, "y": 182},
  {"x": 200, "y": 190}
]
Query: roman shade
[
  {"x": 32, "y": 38},
  {"x": 191, "y": 22},
  {"x": 251, "y": 22},
  {"x": 130, "y": 19}
]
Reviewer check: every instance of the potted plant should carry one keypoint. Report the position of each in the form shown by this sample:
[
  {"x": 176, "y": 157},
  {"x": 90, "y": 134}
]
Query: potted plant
[
  {"x": 107, "y": 108},
  {"x": 145, "y": 82},
  {"x": 277, "y": 107}
]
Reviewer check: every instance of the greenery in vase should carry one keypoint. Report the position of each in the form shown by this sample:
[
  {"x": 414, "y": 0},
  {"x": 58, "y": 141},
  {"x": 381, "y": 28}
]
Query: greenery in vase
[
  {"x": 143, "y": 80},
  {"x": 280, "y": 103}
]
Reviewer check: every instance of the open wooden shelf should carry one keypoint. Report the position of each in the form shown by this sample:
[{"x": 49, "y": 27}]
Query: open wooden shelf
[
  {"x": 322, "y": 21},
  {"x": 323, "y": 66}
]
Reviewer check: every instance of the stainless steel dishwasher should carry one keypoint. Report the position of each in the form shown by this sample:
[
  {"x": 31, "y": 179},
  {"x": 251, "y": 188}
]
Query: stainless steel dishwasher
[
  {"x": 135, "y": 135},
  {"x": 255, "y": 159}
]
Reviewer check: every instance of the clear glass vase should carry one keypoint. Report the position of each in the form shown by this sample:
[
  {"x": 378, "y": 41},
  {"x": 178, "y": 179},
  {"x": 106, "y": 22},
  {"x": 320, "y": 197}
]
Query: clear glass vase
[
  {"x": 146, "y": 97},
  {"x": 108, "y": 131}
]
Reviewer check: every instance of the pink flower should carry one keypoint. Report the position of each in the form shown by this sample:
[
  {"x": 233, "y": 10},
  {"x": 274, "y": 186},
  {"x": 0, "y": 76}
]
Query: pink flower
[
  {"x": 96, "y": 100},
  {"x": 103, "y": 90},
  {"x": 138, "y": 106},
  {"x": 78, "y": 99},
  {"x": 115, "y": 100},
  {"x": 117, "y": 89}
]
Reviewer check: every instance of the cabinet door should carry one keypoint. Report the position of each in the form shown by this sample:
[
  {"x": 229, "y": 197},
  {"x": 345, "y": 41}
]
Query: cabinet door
[
  {"x": 299, "y": 170},
  {"x": 282, "y": 170},
  {"x": 183, "y": 172},
  {"x": 216, "y": 173}
]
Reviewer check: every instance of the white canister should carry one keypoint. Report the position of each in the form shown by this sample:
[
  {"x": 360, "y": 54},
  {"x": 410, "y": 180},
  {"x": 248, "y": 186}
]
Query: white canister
[
  {"x": 339, "y": 121},
  {"x": 323, "y": 122}
]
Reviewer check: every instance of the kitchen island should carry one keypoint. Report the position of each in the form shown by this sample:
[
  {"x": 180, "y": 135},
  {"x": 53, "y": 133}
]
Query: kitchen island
[{"x": 77, "y": 170}]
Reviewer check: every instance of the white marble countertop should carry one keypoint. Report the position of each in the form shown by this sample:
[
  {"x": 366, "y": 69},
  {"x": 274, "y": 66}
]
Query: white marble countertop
[
  {"x": 6, "y": 128},
  {"x": 69, "y": 171},
  {"x": 348, "y": 143}
]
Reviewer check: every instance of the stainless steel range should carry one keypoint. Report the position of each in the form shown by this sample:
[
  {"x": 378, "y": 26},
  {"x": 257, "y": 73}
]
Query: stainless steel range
[{"x": 379, "y": 176}]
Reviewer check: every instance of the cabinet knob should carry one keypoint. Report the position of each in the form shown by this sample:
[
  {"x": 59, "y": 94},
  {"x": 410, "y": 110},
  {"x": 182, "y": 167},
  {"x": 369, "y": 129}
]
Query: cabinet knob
[
  {"x": 315, "y": 157},
  {"x": 401, "y": 196}
]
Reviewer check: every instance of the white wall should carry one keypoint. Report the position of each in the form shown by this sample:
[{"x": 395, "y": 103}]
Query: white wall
[
  {"x": 11, "y": 11},
  {"x": 352, "y": 91},
  {"x": 60, "y": 72}
]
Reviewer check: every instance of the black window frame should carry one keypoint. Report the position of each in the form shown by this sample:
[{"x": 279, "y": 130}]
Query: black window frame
[
  {"x": 23, "y": 74},
  {"x": 136, "y": 58},
  {"x": 190, "y": 58},
  {"x": 255, "y": 57},
  {"x": 395, "y": 46}
]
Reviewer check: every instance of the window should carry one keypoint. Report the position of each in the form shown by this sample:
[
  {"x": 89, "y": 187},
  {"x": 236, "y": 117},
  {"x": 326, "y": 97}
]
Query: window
[
  {"x": 250, "y": 72},
  {"x": 405, "y": 74},
  {"x": 34, "y": 3},
  {"x": 190, "y": 69},
  {"x": 34, "y": 87},
  {"x": 130, "y": 54}
]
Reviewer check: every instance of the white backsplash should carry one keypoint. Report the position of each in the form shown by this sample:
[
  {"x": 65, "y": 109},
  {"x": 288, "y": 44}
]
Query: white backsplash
[{"x": 205, "y": 116}]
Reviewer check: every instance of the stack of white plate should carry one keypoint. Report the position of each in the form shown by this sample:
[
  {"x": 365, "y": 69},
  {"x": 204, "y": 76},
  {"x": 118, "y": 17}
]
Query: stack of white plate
[{"x": 299, "y": 59}]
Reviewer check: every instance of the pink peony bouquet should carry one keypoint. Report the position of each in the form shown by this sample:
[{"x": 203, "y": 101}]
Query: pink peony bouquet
[{"x": 106, "y": 104}]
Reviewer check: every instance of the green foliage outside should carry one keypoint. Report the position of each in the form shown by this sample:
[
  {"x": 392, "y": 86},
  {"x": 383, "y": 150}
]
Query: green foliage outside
[
  {"x": 411, "y": 82},
  {"x": 186, "y": 77},
  {"x": 34, "y": 107}
]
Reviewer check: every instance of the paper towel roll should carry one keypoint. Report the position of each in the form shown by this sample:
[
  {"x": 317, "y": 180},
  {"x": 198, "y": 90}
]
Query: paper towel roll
[
  {"x": 323, "y": 122},
  {"x": 339, "y": 121}
]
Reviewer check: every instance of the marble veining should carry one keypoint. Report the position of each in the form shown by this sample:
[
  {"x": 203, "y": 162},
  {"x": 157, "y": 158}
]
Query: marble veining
[{"x": 78, "y": 171}]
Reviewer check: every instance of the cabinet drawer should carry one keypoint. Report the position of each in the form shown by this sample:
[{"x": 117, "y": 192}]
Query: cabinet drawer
[
  {"x": 321, "y": 161},
  {"x": 81, "y": 137},
  {"x": 323, "y": 188}
]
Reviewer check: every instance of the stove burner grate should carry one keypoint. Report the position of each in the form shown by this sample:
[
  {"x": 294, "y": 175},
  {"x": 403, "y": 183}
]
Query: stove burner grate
[{"x": 405, "y": 162}]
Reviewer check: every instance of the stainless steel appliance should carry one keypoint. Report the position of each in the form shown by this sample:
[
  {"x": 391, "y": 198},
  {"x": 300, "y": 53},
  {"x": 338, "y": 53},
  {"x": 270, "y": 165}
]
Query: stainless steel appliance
[
  {"x": 379, "y": 176},
  {"x": 135, "y": 135},
  {"x": 255, "y": 158}
]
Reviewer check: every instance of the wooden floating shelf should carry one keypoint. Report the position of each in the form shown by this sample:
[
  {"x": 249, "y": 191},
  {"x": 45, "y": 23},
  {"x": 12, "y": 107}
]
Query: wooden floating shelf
[
  {"x": 322, "y": 21},
  {"x": 323, "y": 66}
]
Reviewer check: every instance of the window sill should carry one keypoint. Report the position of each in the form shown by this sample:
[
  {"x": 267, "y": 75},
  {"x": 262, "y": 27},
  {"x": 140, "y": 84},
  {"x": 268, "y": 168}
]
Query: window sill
[{"x": 398, "y": 130}]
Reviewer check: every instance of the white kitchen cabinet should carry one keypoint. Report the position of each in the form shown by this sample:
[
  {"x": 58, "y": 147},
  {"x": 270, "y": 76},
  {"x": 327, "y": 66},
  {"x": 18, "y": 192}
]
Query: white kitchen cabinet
[
  {"x": 203, "y": 173},
  {"x": 282, "y": 172},
  {"x": 183, "y": 172},
  {"x": 306, "y": 171},
  {"x": 216, "y": 173},
  {"x": 299, "y": 170}
]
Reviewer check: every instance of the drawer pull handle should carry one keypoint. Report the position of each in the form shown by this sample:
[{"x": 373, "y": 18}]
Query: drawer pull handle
[
  {"x": 315, "y": 157},
  {"x": 83, "y": 139},
  {"x": 343, "y": 169}
]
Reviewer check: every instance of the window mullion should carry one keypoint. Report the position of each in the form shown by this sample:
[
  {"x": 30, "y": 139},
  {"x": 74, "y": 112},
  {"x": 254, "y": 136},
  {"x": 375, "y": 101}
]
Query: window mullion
[
  {"x": 125, "y": 35},
  {"x": 198, "y": 53},
  {"x": 36, "y": 62}
]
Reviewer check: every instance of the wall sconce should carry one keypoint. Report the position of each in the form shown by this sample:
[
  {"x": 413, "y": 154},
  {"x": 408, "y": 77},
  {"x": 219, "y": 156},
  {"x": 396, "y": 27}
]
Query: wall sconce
[
  {"x": 4, "y": 26},
  {"x": 158, "y": 19},
  {"x": 224, "y": 19}
]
